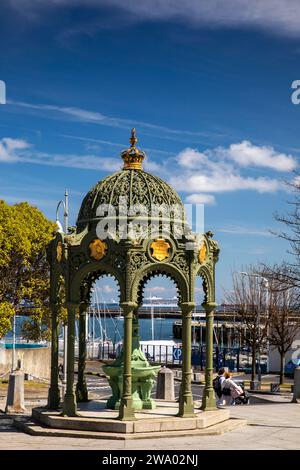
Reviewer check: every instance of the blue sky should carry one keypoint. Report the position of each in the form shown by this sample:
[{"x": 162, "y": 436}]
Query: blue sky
[{"x": 208, "y": 90}]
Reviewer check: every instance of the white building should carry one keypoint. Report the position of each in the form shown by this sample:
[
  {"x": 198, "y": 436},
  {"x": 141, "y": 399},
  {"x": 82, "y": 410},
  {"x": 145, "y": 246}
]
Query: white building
[{"x": 274, "y": 357}]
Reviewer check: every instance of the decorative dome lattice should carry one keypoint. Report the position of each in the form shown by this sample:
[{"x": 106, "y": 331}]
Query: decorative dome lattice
[{"x": 132, "y": 183}]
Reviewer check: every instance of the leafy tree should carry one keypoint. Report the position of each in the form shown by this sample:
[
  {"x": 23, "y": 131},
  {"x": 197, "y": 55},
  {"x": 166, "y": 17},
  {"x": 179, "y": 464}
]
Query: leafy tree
[
  {"x": 284, "y": 310},
  {"x": 6, "y": 313},
  {"x": 24, "y": 271},
  {"x": 39, "y": 325},
  {"x": 252, "y": 319},
  {"x": 284, "y": 321},
  {"x": 289, "y": 272}
]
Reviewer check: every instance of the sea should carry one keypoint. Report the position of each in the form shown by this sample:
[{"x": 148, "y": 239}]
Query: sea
[{"x": 111, "y": 328}]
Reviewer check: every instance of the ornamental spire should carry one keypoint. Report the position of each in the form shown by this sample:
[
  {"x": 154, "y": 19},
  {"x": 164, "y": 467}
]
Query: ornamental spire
[
  {"x": 133, "y": 139},
  {"x": 132, "y": 156}
]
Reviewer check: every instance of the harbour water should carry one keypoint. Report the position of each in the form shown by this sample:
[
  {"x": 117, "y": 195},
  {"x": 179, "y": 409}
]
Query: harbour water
[{"x": 112, "y": 328}]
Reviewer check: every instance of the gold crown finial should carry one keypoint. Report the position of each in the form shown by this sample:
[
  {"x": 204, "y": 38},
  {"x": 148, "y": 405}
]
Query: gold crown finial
[
  {"x": 132, "y": 156},
  {"x": 133, "y": 139}
]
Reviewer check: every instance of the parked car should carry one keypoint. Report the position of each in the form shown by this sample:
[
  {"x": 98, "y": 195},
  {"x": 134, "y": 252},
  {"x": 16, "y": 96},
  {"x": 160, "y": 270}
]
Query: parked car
[{"x": 290, "y": 367}]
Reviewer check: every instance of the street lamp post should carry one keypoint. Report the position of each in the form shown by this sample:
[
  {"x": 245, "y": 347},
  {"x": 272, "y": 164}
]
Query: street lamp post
[
  {"x": 14, "y": 344},
  {"x": 266, "y": 281},
  {"x": 258, "y": 352},
  {"x": 65, "y": 204}
]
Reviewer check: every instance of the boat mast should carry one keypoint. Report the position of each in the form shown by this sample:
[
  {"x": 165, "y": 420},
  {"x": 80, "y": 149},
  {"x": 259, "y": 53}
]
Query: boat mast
[{"x": 152, "y": 318}]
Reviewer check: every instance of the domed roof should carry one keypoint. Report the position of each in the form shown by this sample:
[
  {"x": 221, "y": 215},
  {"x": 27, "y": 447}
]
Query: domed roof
[{"x": 132, "y": 183}]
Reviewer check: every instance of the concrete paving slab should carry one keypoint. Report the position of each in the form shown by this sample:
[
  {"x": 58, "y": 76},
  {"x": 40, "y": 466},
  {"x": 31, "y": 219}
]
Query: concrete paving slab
[
  {"x": 94, "y": 417},
  {"x": 35, "y": 429},
  {"x": 275, "y": 426}
]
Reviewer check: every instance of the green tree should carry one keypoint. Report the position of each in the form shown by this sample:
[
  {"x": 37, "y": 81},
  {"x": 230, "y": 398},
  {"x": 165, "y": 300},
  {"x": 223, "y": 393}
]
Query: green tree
[
  {"x": 24, "y": 271},
  {"x": 284, "y": 310},
  {"x": 252, "y": 319},
  {"x": 6, "y": 313},
  {"x": 284, "y": 321}
]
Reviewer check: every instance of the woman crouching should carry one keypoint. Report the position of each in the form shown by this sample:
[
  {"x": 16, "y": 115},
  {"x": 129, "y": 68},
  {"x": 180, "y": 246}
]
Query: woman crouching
[{"x": 230, "y": 390}]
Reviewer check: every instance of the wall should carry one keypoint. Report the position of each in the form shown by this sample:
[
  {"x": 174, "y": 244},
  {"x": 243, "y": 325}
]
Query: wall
[
  {"x": 274, "y": 357},
  {"x": 35, "y": 361}
]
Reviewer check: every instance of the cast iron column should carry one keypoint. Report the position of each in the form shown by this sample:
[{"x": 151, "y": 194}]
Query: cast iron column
[
  {"x": 209, "y": 400},
  {"x": 54, "y": 394},
  {"x": 135, "y": 330},
  {"x": 126, "y": 411},
  {"x": 186, "y": 404},
  {"x": 69, "y": 406},
  {"x": 81, "y": 388}
]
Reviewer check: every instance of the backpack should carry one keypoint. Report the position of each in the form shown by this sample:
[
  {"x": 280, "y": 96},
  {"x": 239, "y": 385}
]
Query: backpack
[{"x": 217, "y": 386}]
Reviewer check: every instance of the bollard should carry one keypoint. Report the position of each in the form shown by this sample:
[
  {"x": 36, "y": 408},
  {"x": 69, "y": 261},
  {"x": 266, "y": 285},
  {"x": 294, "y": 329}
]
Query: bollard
[
  {"x": 197, "y": 376},
  {"x": 15, "y": 393},
  {"x": 28, "y": 377},
  {"x": 274, "y": 387},
  {"x": 255, "y": 385},
  {"x": 165, "y": 385},
  {"x": 296, "y": 394}
]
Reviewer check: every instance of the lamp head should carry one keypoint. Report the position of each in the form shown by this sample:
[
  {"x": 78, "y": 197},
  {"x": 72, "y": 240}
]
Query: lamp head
[{"x": 59, "y": 226}]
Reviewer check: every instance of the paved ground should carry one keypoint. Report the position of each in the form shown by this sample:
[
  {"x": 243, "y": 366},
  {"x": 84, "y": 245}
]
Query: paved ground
[
  {"x": 274, "y": 426},
  {"x": 274, "y": 423}
]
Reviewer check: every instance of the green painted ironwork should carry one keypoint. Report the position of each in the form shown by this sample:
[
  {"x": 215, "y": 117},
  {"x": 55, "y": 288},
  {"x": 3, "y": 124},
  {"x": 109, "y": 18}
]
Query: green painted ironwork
[
  {"x": 208, "y": 400},
  {"x": 133, "y": 186},
  {"x": 186, "y": 405},
  {"x": 132, "y": 263},
  {"x": 54, "y": 394},
  {"x": 142, "y": 375},
  {"x": 81, "y": 386},
  {"x": 69, "y": 405}
]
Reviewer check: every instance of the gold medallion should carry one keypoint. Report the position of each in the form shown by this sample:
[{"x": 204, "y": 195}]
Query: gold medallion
[
  {"x": 59, "y": 251},
  {"x": 202, "y": 253},
  {"x": 160, "y": 249},
  {"x": 98, "y": 249}
]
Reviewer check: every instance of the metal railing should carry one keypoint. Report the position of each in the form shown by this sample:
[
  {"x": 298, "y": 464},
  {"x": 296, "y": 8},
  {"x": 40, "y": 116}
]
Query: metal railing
[{"x": 236, "y": 359}]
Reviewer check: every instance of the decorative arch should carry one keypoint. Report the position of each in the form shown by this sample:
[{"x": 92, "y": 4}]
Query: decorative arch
[
  {"x": 55, "y": 276},
  {"x": 87, "y": 285},
  {"x": 150, "y": 271},
  {"x": 81, "y": 257},
  {"x": 149, "y": 277},
  {"x": 90, "y": 273},
  {"x": 208, "y": 284}
]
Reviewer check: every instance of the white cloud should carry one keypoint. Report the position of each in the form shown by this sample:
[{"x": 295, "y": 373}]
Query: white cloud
[
  {"x": 199, "y": 174},
  {"x": 278, "y": 16},
  {"x": 107, "y": 289},
  {"x": 85, "y": 162},
  {"x": 246, "y": 154},
  {"x": 94, "y": 117},
  {"x": 219, "y": 170},
  {"x": 192, "y": 158},
  {"x": 296, "y": 181},
  {"x": 200, "y": 199},
  {"x": 156, "y": 289},
  {"x": 10, "y": 149},
  {"x": 220, "y": 182},
  {"x": 245, "y": 230},
  {"x": 18, "y": 150}
]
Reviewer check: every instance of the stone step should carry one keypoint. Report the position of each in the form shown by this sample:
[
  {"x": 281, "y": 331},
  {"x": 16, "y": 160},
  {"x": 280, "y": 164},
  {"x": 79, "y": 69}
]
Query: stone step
[
  {"x": 143, "y": 424},
  {"x": 35, "y": 429}
]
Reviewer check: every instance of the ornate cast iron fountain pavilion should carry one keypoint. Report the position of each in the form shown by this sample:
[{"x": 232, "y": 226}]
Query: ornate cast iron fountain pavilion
[{"x": 132, "y": 257}]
